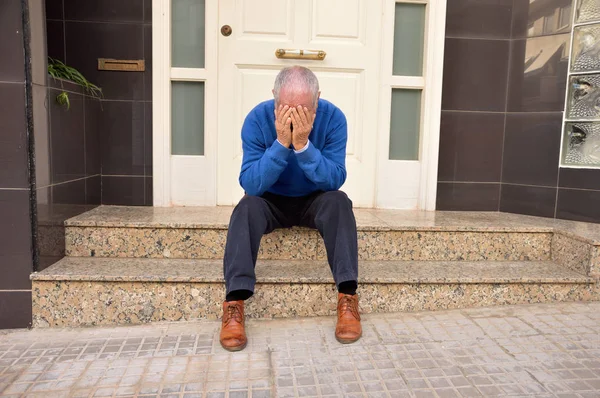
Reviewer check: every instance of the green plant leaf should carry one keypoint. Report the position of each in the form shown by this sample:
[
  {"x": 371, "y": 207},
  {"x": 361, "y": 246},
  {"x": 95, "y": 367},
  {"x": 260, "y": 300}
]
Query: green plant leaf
[
  {"x": 63, "y": 99},
  {"x": 58, "y": 70}
]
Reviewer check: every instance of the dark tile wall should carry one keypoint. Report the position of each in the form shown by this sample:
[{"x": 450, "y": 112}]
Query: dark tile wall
[
  {"x": 579, "y": 195},
  {"x": 504, "y": 87},
  {"x": 52, "y": 157},
  {"x": 532, "y": 182},
  {"x": 536, "y": 91},
  {"x": 16, "y": 246},
  {"x": 67, "y": 164},
  {"x": 474, "y": 101},
  {"x": 468, "y": 196},
  {"x": 531, "y": 149},
  {"x": 528, "y": 199},
  {"x": 67, "y": 160},
  {"x": 67, "y": 170},
  {"x": 80, "y": 32}
]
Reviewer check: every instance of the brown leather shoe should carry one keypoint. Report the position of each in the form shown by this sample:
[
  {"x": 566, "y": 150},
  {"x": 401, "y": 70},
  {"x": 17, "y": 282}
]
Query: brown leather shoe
[
  {"x": 233, "y": 334},
  {"x": 348, "y": 328}
]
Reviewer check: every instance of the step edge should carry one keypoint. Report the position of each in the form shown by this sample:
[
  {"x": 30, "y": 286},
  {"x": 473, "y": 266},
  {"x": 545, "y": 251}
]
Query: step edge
[
  {"x": 518, "y": 229},
  {"x": 399, "y": 281},
  {"x": 366, "y": 228},
  {"x": 576, "y": 236}
]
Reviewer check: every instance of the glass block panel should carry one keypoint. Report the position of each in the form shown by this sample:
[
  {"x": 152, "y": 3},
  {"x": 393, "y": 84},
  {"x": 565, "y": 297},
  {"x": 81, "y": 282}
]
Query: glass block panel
[
  {"x": 187, "y": 33},
  {"x": 405, "y": 125},
  {"x": 586, "y": 48},
  {"x": 584, "y": 97},
  {"x": 588, "y": 10},
  {"x": 409, "y": 33},
  {"x": 187, "y": 118},
  {"x": 581, "y": 144}
]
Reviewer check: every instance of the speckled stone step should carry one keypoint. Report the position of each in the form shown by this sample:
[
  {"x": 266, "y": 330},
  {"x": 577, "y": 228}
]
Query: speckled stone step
[
  {"x": 201, "y": 232},
  {"x": 101, "y": 291}
]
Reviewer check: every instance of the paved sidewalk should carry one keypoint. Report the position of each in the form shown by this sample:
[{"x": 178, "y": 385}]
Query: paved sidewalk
[{"x": 536, "y": 350}]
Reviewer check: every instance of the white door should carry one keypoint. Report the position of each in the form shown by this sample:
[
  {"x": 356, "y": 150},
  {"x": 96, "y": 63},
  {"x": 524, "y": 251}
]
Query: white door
[{"x": 348, "y": 31}]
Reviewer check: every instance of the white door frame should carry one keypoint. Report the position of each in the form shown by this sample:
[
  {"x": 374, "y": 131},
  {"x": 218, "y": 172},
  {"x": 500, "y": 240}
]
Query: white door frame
[
  {"x": 202, "y": 170},
  {"x": 435, "y": 37},
  {"x": 177, "y": 179},
  {"x": 424, "y": 189}
]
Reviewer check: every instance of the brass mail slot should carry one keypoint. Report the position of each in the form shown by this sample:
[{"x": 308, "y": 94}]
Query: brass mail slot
[
  {"x": 315, "y": 55},
  {"x": 123, "y": 65}
]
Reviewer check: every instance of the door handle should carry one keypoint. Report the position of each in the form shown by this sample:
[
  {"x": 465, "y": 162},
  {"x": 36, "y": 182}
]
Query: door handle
[{"x": 315, "y": 55}]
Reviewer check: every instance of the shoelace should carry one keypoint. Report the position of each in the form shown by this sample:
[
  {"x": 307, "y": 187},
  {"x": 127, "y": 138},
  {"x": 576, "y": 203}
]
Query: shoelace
[
  {"x": 348, "y": 304},
  {"x": 233, "y": 312}
]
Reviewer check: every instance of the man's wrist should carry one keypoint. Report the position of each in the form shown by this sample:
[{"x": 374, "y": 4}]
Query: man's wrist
[
  {"x": 301, "y": 149},
  {"x": 283, "y": 144},
  {"x": 300, "y": 145}
]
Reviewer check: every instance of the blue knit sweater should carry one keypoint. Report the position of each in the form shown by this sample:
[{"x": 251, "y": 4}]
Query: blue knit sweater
[{"x": 268, "y": 166}]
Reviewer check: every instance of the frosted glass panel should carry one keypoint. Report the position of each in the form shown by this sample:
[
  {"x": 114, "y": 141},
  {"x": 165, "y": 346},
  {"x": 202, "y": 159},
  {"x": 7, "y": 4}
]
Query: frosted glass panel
[
  {"x": 187, "y": 116},
  {"x": 188, "y": 33},
  {"x": 586, "y": 48},
  {"x": 581, "y": 144},
  {"x": 584, "y": 97},
  {"x": 405, "y": 126},
  {"x": 587, "y": 10},
  {"x": 581, "y": 128},
  {"x": 409, "y": 31}
]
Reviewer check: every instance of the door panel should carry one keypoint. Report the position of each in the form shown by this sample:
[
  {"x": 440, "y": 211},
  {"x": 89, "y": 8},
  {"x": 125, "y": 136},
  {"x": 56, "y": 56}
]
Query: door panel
[
  {"x": 260, "y": 25},
  {"x": 326, "y": 21},
  {"x": 252, "y": 86},
  {"x": 344, "y": 89}
]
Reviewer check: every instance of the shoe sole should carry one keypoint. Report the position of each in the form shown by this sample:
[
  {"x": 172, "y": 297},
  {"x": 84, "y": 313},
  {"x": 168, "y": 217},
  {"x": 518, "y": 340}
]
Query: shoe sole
[
  {"x": 348, "y": 341},
  {"x": 234, "y": 349}
]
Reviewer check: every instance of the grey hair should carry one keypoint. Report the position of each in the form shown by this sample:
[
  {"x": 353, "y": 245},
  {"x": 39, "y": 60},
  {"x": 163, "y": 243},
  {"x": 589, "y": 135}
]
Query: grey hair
[{"x": 297, "y": 76}]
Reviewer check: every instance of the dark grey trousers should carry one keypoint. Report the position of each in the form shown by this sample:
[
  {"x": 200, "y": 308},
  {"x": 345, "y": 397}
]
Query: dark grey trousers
[{"x": 328, "y": 212}]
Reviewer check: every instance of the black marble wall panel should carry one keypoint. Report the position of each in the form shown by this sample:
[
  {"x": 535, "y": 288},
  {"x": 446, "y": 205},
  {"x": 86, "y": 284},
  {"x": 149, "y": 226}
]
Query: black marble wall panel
[
  {"x": 16, "y": 246},
  {"x": 536, "y": 100},
  {"x": 505, "y": 75},
  {"x": 118, "y": 130},
  {"x": 474, "y": 98}
]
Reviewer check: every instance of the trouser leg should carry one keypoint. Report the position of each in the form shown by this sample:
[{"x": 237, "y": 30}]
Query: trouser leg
[
  {"x": 331, "y": 214},
  {"x": 251, "y": 219}
]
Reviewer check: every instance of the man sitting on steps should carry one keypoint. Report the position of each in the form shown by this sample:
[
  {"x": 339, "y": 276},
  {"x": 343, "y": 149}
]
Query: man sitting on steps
[{"x": 293, "y": 166}]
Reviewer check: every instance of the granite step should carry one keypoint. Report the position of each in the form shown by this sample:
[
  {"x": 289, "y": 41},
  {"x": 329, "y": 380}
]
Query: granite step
[
  {"x": 200, "y": 233},
  {"x": 82, "y": 291}
]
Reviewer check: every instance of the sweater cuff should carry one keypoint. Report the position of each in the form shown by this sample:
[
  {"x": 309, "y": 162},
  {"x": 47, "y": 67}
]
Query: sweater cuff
[
  {"x": 309, "y": 154},
  {"x": 278, "y": 152}
]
